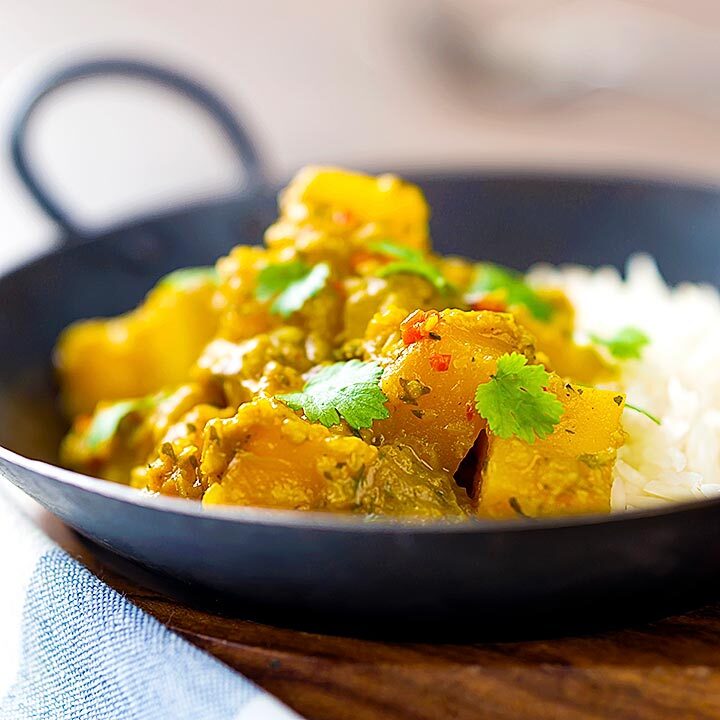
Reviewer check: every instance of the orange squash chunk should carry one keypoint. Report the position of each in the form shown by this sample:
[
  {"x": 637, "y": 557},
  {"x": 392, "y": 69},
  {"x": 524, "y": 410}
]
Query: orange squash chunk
[
  {"x": 266, "y": 456},
  {"x": 567, "y": 473},
  {"x": 431, "y": 384},
  {"x": 139, "y": 353},
  {"x": 579, "y": 363}
]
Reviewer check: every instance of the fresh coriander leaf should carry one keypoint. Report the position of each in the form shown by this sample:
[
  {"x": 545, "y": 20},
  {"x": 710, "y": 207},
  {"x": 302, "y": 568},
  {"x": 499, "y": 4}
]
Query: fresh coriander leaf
[
  {"x": 189, "y": 278},
  {"x": 646, "y": 413},
  {"x": 514, "y": 401},
  {"x": 489, "y": 278},
  {"x": 273, "y": 279},
  {"x": 105, "y": 422},
  {"x": 292, "y": 284},
  {"x": 393, "y": 250},
  {"x": 409, "y": 261},
  {"x": 348, "y": 390},
  {"x": 626, "y": 344},
  {"x": 297, "y": 293},
  {"x": 423, "y": 270}
]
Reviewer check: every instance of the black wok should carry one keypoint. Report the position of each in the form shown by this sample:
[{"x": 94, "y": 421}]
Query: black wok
[{"x": 428, "y": 576}]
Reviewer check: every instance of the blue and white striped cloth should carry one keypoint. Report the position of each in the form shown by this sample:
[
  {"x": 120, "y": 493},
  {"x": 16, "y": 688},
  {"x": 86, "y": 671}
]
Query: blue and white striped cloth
[{"x": 73, "y": 648}]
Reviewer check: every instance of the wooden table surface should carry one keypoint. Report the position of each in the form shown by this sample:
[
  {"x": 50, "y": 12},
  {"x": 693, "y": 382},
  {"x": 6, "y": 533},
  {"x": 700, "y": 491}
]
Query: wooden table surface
[{"x": 666, "y": 669}]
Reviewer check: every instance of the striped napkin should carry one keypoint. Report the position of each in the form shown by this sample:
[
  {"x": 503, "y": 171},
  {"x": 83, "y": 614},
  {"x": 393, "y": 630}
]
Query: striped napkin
[{"x": 73, "y": 648}]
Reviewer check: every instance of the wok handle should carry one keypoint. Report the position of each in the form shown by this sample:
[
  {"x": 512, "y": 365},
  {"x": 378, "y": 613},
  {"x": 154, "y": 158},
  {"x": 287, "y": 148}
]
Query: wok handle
[{"x": 232, "y": 127}]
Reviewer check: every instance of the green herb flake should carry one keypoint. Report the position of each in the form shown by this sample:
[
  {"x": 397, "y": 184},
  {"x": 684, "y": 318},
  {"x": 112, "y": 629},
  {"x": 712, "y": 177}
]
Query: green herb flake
[
  {"x": 514, "y": 401},
  {"x": 646, "y": 413},
  {"x": 393, "y": 250},
  {"x": 626, "y": 344},
  {"x": 413, "y": 390},
  {"x": 491, "y": 278},
  {"x": 105, "y": 422},
  {"x": 169, "y": 451},
  {"x": 348, "y": 390},
  {"x": 409, "y": 261},
  {"x": 514, "y": 504},
  {"x": 190, "y": 278},
  {"x": 291, "y": 284}
]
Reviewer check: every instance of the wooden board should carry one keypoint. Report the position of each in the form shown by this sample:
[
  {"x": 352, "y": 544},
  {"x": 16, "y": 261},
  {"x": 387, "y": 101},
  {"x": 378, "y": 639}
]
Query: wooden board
[{"x": 667, "y": 669}]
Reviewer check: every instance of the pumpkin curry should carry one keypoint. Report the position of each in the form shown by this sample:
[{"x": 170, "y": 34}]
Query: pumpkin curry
[{"x": 345, "y": 367}]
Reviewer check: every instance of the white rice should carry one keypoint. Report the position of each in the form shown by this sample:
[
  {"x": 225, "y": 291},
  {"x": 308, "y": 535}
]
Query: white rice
[{"x": 677, "y": 379}]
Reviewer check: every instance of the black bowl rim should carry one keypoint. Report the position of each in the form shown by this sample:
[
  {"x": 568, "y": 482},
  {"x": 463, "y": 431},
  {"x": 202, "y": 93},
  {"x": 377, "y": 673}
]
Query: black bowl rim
[
  {"x": 490, "y": 172},
  {"x": 303, "y": 519}
]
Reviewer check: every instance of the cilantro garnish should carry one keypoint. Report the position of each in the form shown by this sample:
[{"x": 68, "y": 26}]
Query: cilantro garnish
[
  {"x": 626, "y": 344},
  {"x": 646, "y": 413},
  {"x": 391, "y": 249},
  {"x": 410, "y": 261},
  {"x": 490, "y": 278},
  {"x": 292, "y": 284},
  {"x": 189, "y": 278},
  {"x": 350, "y": 390},
  {"x": 514, "y": 401},
  {"x": 105, "y": 422}
]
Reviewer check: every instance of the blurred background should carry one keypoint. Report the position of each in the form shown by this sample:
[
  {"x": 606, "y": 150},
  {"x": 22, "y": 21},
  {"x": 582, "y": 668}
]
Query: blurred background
[{"x": 611, "y": 86}]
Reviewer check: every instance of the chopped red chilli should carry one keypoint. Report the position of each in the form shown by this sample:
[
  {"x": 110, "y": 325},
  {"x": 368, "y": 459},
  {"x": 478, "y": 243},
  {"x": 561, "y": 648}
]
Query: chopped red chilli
[
  {"x": 418, "y": 326},
  {"x": 440, "y": 362},
  {"x": 491, "y": 303},
  {"x": 343, "y": 217}
]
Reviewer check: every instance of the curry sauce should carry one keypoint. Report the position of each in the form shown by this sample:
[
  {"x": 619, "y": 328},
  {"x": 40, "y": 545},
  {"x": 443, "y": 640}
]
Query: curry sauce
[{"x": 345, "y": 367}]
